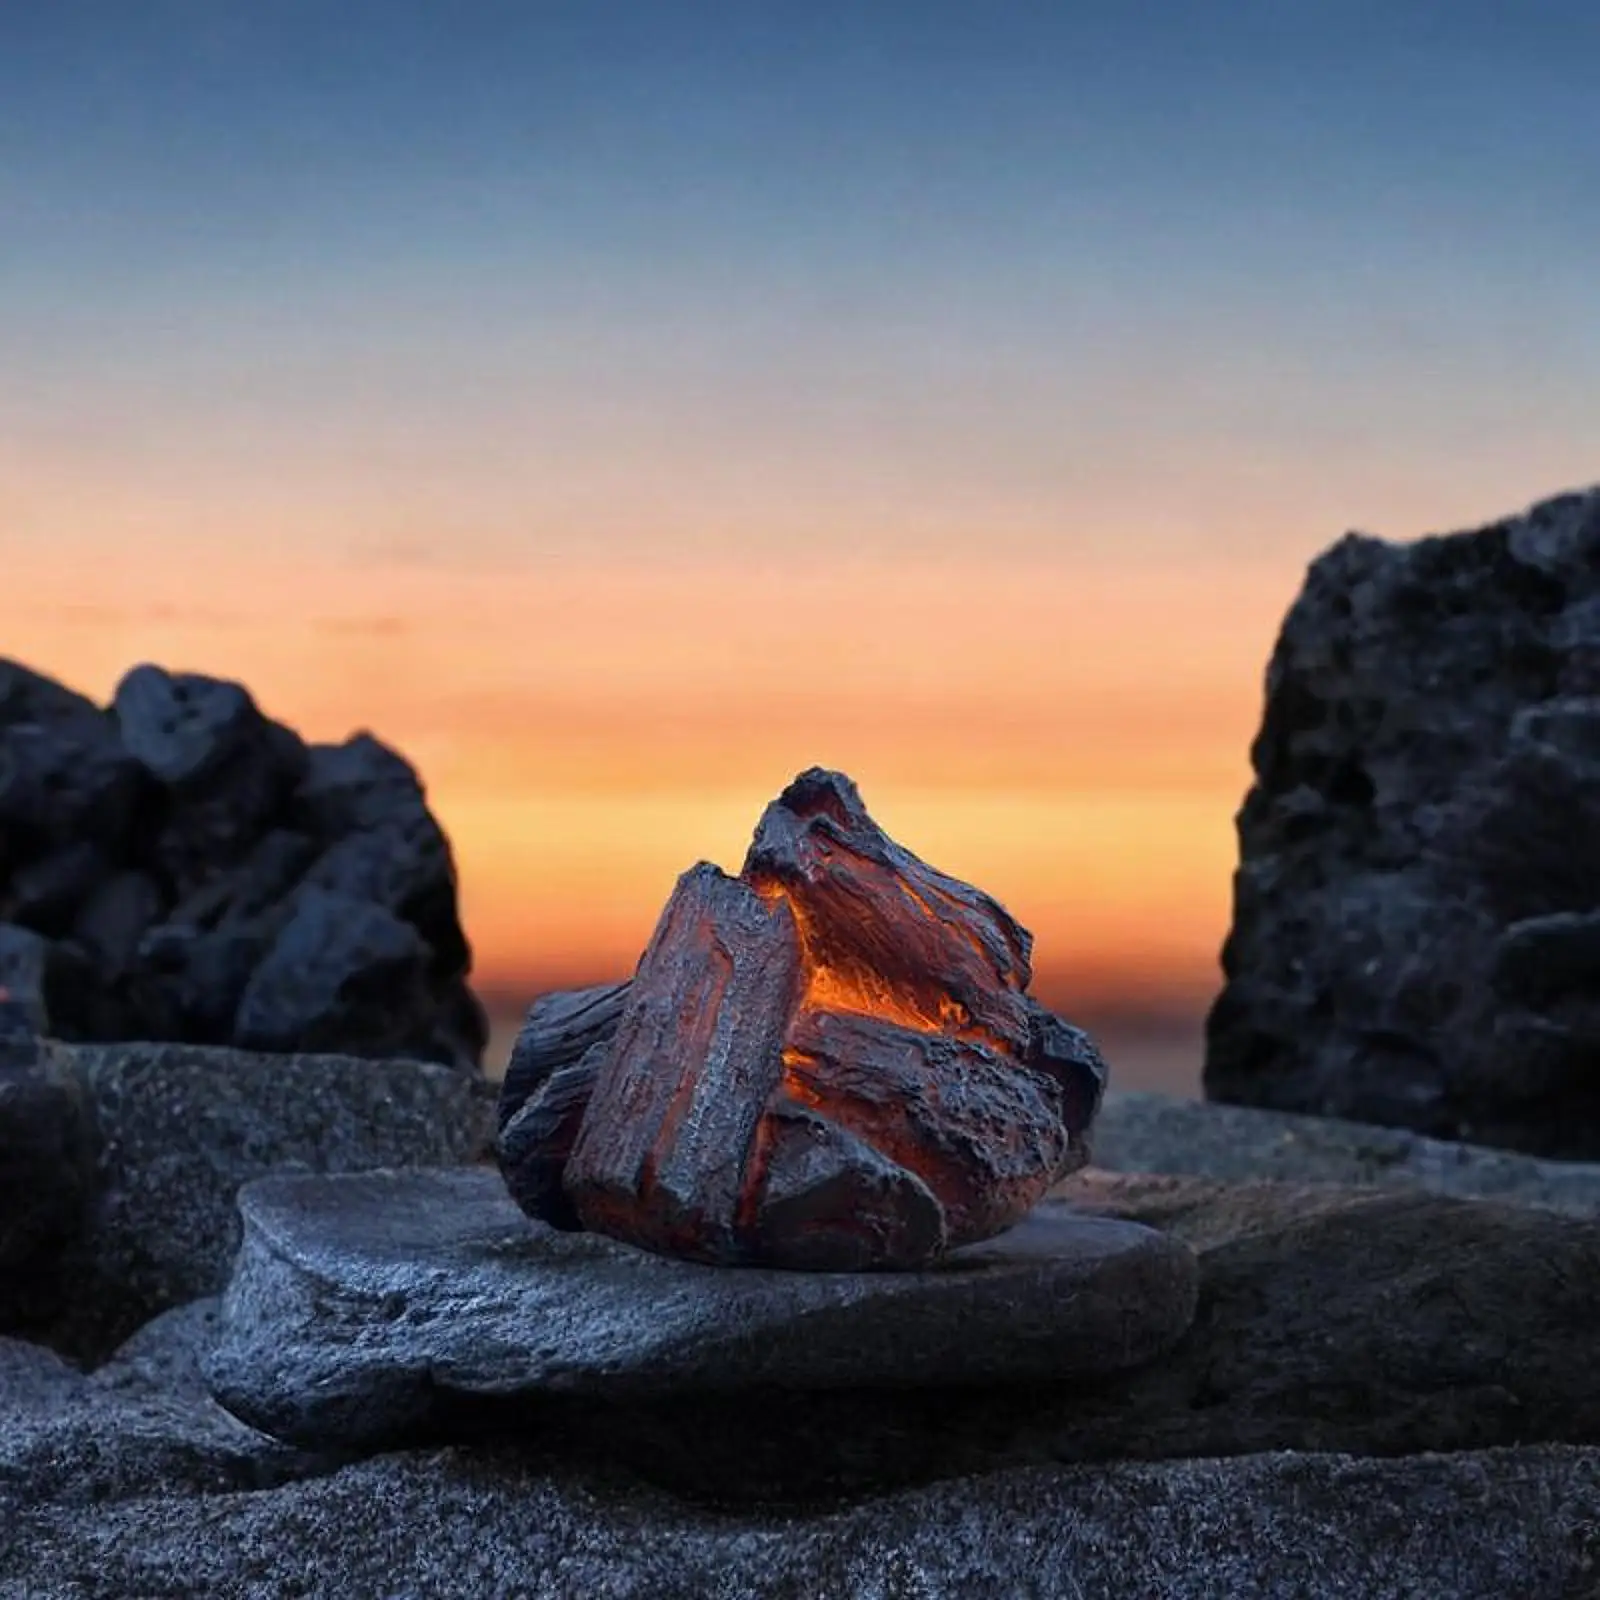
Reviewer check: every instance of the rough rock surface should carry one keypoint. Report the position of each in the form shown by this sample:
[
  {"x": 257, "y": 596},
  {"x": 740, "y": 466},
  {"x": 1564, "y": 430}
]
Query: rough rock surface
[
  {"x": 69, "y": 1439},
  {"x": 1160, "y": 1133},
  {"x": 1386, "y": 1323},
  {"x": 181, "y": 867},
  {"x": 1328, "y": 1319},
  {"x": 374, "y": 1308},
  {"x": 46, "y": 1152},
  {"x": 1416, "y": 933},
  {"x": 454, "y": 1522},
  {"x": 179, "y": 1128}
]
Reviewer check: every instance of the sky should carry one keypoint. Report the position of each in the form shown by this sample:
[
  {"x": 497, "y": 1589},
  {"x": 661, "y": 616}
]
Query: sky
[{"x": 620, "y": 407}]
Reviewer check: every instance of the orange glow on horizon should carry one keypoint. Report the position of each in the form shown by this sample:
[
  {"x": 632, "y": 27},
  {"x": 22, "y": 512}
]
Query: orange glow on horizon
[{"x": 1072, "y": 741}]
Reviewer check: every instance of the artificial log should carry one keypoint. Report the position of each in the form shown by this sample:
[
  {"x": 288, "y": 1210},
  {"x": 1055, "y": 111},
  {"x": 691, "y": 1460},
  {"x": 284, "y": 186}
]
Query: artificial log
[
  {"x": 661, "y": 1153},
  {"x": 830, "y": 1062},
  {"x": 983, "y": 1132},
  {"x": 546, "y": 1090}
]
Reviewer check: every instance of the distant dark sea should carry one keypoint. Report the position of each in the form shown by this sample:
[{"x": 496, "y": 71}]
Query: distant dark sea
[{"x": 1163, "y": 1056}]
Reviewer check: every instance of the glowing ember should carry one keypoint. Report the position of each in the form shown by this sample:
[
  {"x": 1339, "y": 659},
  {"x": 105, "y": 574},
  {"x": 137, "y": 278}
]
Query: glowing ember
[{"x": 828, "y": 1062}]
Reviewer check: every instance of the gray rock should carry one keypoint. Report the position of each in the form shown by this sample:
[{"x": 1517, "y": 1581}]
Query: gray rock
[
  {"x": 1328, "y": 1319},
  {"x": 34, "y": 1379},
  {"x": 24, "y": 971},
  {"x": 340, "y": 968},
  {"x": 1349, "y": 1319},
  {"x": 68, "y": 1442},
  {"x": 182, "y": 1127},
  {"x": 1413, "y": 935},
  {"x": 165, "y": 1356},
  {"x": 405, "y": 866},
  {"x": 456, "y": 1522},
  {"x": 355, "y": 786},
  {"x": 183, "y": 727},
  {"x": 187, "y": 981},
  {"x": 115, "y": 918},
  {"x": 226, "y": 771},
  {"x": 158, "y": 848},
  {"x": 46, "y": 1156},
  {"x": 368, "y": 1308},
  {"x": 66, "y": 782},
  {"x": 1160, "y": 1133},
  {"x": 46, "y": 894},
  {"x": 29, "y": 696}
]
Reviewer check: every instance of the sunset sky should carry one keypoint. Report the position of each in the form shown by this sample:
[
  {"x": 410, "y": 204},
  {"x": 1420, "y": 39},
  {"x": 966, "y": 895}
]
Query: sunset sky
[{"x": 620, "y": 406}]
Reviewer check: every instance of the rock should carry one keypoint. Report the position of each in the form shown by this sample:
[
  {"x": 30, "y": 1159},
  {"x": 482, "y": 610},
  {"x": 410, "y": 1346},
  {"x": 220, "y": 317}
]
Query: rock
[
  {"x": 227, "y": 771},
  {"x": 1328, "y": 1319},
  {"x": 159, "y": 851},
  {"x": 405, "y": 867},
  {"x": 29, "y": 696},
  {"x": 114, "y": 919},
  {"x": 339, "y": 968},
  {"x": 187, "y": 982},
  {"x": 184, "y": 727},
  {"x": 560, "y": 1028},
  {"x": 356, "y": 786},
  {"x": 1477, "y": 1526},
  {"x": 46, "y": 1155},
  {"x": 181, "y": 1128},
  {"x": 24, "y": 966},
  {"x": 1340, "y": 1319},
  {"x": 164, "y": 1357},
  {"x": 66, "y": 782},
  {"x": 1413, "y": 938},
  {"x": 46, "y": 894},
  {"x": 1160, "y": 1133},
  {"x": 377, "y": 1307},
  {"x": 69, "y": 1441},
  {"x": 34, "y": 1379}
]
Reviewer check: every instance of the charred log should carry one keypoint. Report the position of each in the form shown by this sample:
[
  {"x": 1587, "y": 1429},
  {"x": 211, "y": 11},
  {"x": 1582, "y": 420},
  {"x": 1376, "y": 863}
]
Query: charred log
[
  {"x": 660, "y": 1157},
  {"x": 830, "y": 1062}
]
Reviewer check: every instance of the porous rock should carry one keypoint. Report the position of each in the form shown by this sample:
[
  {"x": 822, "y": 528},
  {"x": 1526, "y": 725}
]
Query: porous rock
[
  {"x": 1413, "y": 939},
  {"x": 46, "y": 1164},
  {"x": 1329, "y": 1318},
  {"x": 339, "y": 968},
  {"x": 152, "y": 856},
  {"x": 428, "y": 1525},
  {"x": 179, "y": 1128},
  {"x": 67, "y": 1440},
  {"x": 376, "y": 1307},
  {"x": 1139, "y": 1132}
]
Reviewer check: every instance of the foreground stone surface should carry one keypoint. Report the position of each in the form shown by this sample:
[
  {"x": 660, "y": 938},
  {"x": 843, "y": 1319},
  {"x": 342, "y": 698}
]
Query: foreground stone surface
[
  {"x": 1161, "y": 1133},
  {"x": 1328, "y": 1319},
  {"x": 68, "y": 1439},
  {"x": 179, "y": 1128},
  {"x": 1416, "y": 933},
  {"x": 457, "y": 1522},
  {"x": 373, "y": 1308}
]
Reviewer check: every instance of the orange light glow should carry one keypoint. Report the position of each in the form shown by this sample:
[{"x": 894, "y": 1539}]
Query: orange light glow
[{"x": 586, "y": 730}]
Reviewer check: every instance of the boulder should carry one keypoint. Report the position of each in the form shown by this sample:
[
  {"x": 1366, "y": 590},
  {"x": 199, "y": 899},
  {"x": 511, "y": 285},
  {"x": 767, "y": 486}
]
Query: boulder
[
  {"x": 1413, "y": 939},
  {"x": 340, "y": 967},
  {"x": 356, "y": 786},
  {"x": 369, "y": 1309},
  {"x": 153, "y": 855},
  {"x": 179, "y": 1128}
]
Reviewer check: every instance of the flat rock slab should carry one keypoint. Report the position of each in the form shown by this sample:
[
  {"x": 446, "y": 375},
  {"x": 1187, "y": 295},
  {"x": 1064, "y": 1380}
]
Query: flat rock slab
[{"x": 372, "y": 1308}]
